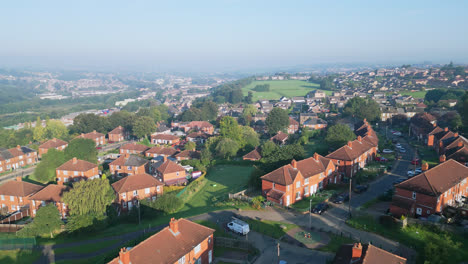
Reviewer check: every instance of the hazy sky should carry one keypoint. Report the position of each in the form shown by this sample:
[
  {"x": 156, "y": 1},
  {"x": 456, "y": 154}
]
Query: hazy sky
[{"x": 228, "y": 34}]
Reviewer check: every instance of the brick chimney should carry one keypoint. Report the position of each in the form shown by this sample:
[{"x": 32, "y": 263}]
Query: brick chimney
[
  {"x": 446, "y": 129},
  {"x": 18, "y": 147},
  {"x": 294, "y": 164},
  {"x": 94, "y": 131},
  {"x": 127, "y": 155},
  {"x": 359, "y": 138},
  {"x": 75, "y": 160},
  {"x": 460, "y": 144},
  {"x": 316, "y": 156},
  {"x": 124, "y": 256},
  {"x": 455, "y": 135},
  {"x": 174, "y": 226},
  {"x": 164, "y": 158},
  {"x": 350, "y": 144},
  {"x": 19, "y": 178},
  {"x": 434, "y": 125},
  {"x": 357, "y": 251},
  {"x": 442, "y": 159},
  {"x": 425, "y": 166},
  {"x": 54, "y": 140}
]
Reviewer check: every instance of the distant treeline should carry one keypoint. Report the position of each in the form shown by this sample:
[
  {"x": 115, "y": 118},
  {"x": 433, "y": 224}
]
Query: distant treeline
[
  {"x": 230, "y": 92},
  {"x": 261, "y": 88}
]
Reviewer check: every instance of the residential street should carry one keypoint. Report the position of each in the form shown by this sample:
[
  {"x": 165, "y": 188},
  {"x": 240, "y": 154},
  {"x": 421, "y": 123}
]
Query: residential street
[{"x": 16, "y": 173}]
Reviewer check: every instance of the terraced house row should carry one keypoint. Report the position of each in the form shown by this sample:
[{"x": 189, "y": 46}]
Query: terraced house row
[{"x": 16, "y": 158}]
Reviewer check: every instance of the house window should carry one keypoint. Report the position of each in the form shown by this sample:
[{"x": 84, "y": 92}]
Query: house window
[
  {"x": 34, "y": 212},
  {"x": 198, "y": 261},
  {"x": 65, "y": 179},
  {"x": 306, "y": 190},
  {"x": 124, "y": 195},
  {"x": 182, "y": 260},
  {"x": 12, "y": 198},
  {"x": 21, "y": 199},
  {"x": 157, "y": 188},
  {"x": 135, "y": 193},
  {"x": 298, "y": 184},
  {"x": 3, "y": 198},
  {"x": 43, "y": 203},
  {"x": 330, "y": 172},
  {"x": 414, "y": 195},
  {"x": 34, "y": 203},
  {"x": 129, "y": 167},
  {"x": 306, "y": 181},
  {"x": 177, "y": 173},
  {"x": 197, "y": 249},
  {"x": 13, "y": 207},
  {"x": 65, "y": 172},
  {"x": 428, "y": 212},
  {"x": 76, "y": 173},
  {"x": 298, "y": 195},
  {"x": 147, "y": 190},
  {"x": 287, "y": 188},
  {"x": 64, "y": 206},
  {"x": 124, "y": 204}
]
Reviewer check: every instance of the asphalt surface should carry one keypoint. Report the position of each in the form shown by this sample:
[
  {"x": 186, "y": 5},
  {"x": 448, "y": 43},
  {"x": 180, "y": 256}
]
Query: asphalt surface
[{"x": 16, "y": 173}]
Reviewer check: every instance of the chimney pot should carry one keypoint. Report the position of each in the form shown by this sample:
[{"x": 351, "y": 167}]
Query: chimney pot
[
  {"x": 18, "y": 146},
  {"x": 460, "y": 144},
  {"x": 442, "y": 159},
  {"x": 350, "y": 144},
  {"x": 455, "y": 135},
  {"x": 294, "y": 164},
  {"x": 316, "y": 156},
  {"x": 75, "y": 160},
  {"x": 174, "y": 225},
  {"x": 357, "y": 251},
  {"x": 446, "y": 129},
  {"x": 434, "y": 125},
  {"x": 359, "y": 138},
  {"x": 425, "y": 166},
  {"x": 124, "y": 256},
  {"x": 94, "y": 131},
  {"x": 19, "y": 178}
]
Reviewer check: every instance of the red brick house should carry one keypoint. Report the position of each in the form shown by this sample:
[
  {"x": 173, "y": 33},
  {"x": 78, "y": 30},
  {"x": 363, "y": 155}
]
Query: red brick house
[
  {"x": 165, "y": 139},
  {"x": 202, "y": 126},
  {"x": 97, "y": 137},
  {"x": 432, "y": 190},
  {"x": 315, "y": 123},
  {"x": 75, "y": 170},
  {"x": 133, "y": 148},
  {"x": 198, "y": 137},
  {"x": 118, "y": 134},
  {"x": 292, "y": 182},
  {"x": 128, "y": 164},
  {"x": 280, "y": 138},
  {"x": 182, "y": 242},
  {"x": 171, "y": 173},
  {"x": 293, "y": 126},
  {"x": 136, "y": 187},
  {"x": 358, "y": 253},
  {"x": 15, "y": 158},
  {"x": 53, "y": 143},
  {"x": 188, "y": 155},
  {"x": 160, "y": 151},
  {"x": 422, "y": 124},
  {"x": 253, "y": 155},
  {"x": 16, "y": 194},
  {"x": 52, "y": 193}
]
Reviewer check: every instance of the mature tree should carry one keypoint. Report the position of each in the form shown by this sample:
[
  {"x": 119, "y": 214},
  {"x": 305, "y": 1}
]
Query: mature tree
[
  {"x": 268, "y": 148},
  {"x": 249, "y": 110},
  {"x": 206, "y": 156},
  {"x": 82, "y": 148},
  {"x": 249, "y": 97},
  {"x": 46, "y": 221},
  {"x": 229, "y": 128},
  {"x": 277, "y": 120},
  {"x": 152, "y": 112},
  {"x": 236, "y": 96},
  {"x": 192, "y": 114},
  {"x": 209, "y": 110},
  {"x": 39, "y": 131},
  {"x": 452, "y": 120},
  {"x": 143, "y": 126},
  {"x": 227, "y": 148},
  {"x": 168, "y": 203},
  {"x": 326, "y": 84},
  {"x": 338, "y": 135},
  {"x": 45, "y": 170},
  {"x": 362, "y": 108},
  {"x": 91, "y": 197},
  {"x": 190, "y": 146},
  {"x": 56, "y": 129},
  {"x": 250, "y": 137},
  {"x": 121, "y": 118},
  {"x": 463, "y": 110},
  {"x": 85, "y": 123}
]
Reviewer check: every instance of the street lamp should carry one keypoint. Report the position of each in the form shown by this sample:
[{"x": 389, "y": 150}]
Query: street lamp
[{"x": 310, "y": 213}]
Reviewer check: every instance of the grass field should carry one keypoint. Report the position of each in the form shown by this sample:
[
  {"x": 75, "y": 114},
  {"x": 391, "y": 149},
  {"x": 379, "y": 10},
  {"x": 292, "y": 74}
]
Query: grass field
[
  {"x": 19, "y": 256},
  {"x": 417, "y": 95},
  {"x": 286, "y": 88}
]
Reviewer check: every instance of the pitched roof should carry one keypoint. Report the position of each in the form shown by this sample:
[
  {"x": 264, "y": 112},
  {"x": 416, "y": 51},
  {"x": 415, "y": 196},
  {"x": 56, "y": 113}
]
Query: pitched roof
[
  {"x": 280, "y": 136},
  {"x": 170, "y": 167},
  {"x": 117, "y": 130},
  {"x": 275, "y": 194},
  {"x": 352, "y": 150},
  {"x": 199, "y": 124},
  {"x": 135, "y": 182},
  {"x": 198, "y": 135},
  {"x": 293, "y": 122},
  {"x": 20, "y": 150},
  {"x": 53, "y": 143},
  {"x": 437, "y": 180},
  {"x": 5, "y": 154},
  {"x": 19, "y": 188},
  {"x": 129, "y": 160},
  {"x": 162, "y": 151},
  {"x": 254, "y": 154},
  {"x": 370, "y": 255},
  {"x": 135, "y": 146},
  {"x": 191, "y": 154},
  {"x": 51, "y": 192},
  {"x": 164, "y": 137},
  {"x": 77, "y": 165},
  {"x": 167, "y": 247},
  {"x": 92, "y": 135}
]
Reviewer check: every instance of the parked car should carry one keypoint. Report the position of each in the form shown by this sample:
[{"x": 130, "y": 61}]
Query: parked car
[
  {"x": 397, "y": 133},
  {"x": 415, "y": 161},
  {"x": 360, "y": 188},
  {"x": 320, "y": 208},
  {"x": 381, "y": 159},
  {"x": 398, "y": 145},
  {"x": 238, "y": 226},
  {"x": 387, "y": 151},
  {"x": 410, "y": 173},
  {"x": 402, "y": 150},
  {"x": 341, "y": 198}
]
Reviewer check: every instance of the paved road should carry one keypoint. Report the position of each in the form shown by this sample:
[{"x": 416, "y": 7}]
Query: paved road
[{"x": 16, "y": 173}]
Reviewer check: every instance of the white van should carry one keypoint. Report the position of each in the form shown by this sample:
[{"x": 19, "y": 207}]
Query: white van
[{"x": 238, "y": 226}]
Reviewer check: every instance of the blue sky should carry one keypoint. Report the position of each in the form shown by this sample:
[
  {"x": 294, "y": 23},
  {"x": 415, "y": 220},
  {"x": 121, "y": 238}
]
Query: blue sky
[{"x": 229, "y": 34}]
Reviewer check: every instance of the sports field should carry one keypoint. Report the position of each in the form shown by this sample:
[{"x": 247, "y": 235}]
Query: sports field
[
  {"x": 288, "y": 88},
  {"x": 417, "y": 95}
]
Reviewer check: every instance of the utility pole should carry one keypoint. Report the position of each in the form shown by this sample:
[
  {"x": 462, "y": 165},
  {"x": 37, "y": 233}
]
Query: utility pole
[
  {"x": 278, "y": 246},
  {"x": 310, "y": 214},
  {"x": 350, "y": 183}
]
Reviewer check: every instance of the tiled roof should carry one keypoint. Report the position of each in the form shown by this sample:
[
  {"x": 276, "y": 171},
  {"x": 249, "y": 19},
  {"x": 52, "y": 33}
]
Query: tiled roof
[
  {"x": 352, "y": 150},
  {"x": 170, "y": 167},
  {"x": 51, "y": 192},
  {"x": 91, "y": 135},
  {"x": 275, "y": 194},
  {"x": 293, "y": 122},
  {"x": 162, "y": 151},
  {"x": 191, "y": 154},
  {"x": 53, "y": 143},
  {"x": 198, "y": 135},
  {"x": 77, "y": 165},
  {"x": 18, "y": 151},
  {"x": 280, "y": 136},
  {"x": 370, "y": 255},
  {"x": 117, "y": 130},
  {"x": 199, "y": 124},
  {"x": 135, "y": 182},
  {"x": 129, "y": 160},
  {"x": 135, "y": 146},
  {"x": 254, "y": 154},
  {"x": 19, "y": 188},
  {"x": 437, "y": 180},
  {"x": 167, "y": 247},
  {"x": 5, "y": 154},
  {"x": 164, "y": 137}
]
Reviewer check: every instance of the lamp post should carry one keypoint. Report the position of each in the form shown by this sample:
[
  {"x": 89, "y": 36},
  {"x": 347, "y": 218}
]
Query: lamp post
[{"x": 310, "y": 213}]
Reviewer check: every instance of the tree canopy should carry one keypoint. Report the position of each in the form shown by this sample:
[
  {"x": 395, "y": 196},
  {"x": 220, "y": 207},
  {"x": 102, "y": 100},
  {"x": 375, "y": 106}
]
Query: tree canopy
[
  {"x": 339, "y": 135},
  {"x": 82, "y": 148},
  {"x": 46, "y": 221},
  {"x": 227, "y": 148},
  {"x": 277, "y": 120},
  {"x": 45, "y": 170},
  {"x": 143, "y": 126},
  {"x": 362, "y": 108}
]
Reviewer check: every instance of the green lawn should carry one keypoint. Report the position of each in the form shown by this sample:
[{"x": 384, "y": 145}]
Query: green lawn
[
  {"x": 304, "y": 204},
  {"x": 288, "y": 88},
  {"x": 335, "y": 243},
  {"x": 86, "y": 248},
  {"x": 270, "y": 228},
  {"x": 418, "y": 94},
  {"x": 19, "y": 256},
  {"x": 220, "y": 232}
]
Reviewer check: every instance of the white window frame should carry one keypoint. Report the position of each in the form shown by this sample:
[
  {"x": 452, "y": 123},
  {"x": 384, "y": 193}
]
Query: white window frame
[
  {"x": 124, "y": 195},
  {"x": 182, "y": 260},
  {"x": 75, "y": 173},
  {"x": 298, "y": 184},
  {"x": 12, "y": 198},
  {"x": 135, "y": 193},
  {"x": 306, "y": 181},
  {"x": 147, "y": 190},
  {"x": 197, "y": 249}
]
